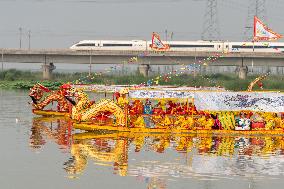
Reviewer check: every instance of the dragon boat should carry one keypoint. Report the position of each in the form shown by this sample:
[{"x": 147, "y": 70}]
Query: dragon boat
[
  {"x": 43, "y": 104},
  {"x": 170, "y": 110}
]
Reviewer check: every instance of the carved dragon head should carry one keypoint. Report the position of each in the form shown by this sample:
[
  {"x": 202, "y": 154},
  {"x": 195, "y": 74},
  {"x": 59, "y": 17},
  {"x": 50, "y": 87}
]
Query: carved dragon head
[
  {"x": 77, "y": 95},
  {"x": 37, "y": 91}
]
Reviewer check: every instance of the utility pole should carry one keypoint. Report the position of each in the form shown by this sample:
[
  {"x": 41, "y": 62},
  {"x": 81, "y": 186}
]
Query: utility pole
[
  {"x": 29, "y": 36},
  {"x": 166, "y": 33},
  {"x": 2, "y": 60},
  {"x": 172, "y": 36},
  {"x": 90, "y": 66},
  {"x": 210, "y": 25},
  {"x": 21, "y": 30},
  {"x": 194, "y": 73},
  {"x": 255, "y": 8}
]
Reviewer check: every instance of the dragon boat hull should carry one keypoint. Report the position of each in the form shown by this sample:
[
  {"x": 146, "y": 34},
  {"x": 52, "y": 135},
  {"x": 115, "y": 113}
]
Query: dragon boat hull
[
  {"x": 117, "y": 135},
  {"x": 96, "y": 127},
  {"x": 50, "y": 113}
]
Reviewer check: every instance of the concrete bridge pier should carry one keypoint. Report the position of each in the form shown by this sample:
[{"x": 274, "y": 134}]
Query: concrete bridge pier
[
  {"x": 243, "y": 72},
  {"x": 47, "y": 70},
  {"x": 144, "y": 69}
]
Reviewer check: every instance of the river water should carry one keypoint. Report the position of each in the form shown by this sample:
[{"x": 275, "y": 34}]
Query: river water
[{"x": 48, "y": 153}]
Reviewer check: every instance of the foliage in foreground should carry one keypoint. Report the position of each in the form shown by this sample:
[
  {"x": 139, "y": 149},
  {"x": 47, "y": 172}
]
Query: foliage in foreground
[{"x": 25, "y": 79}]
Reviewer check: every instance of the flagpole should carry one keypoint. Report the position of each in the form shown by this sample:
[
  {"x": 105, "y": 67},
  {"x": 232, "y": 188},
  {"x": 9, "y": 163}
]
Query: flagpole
[
  {"x": 252, "y": 55},
  {"x": 253, "y": 39}
]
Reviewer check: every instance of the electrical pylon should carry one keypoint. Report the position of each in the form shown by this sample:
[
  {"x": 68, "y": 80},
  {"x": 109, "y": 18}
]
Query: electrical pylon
[
  {"x": 255, "y": 8},
  {"x": 211, "y": 26}
]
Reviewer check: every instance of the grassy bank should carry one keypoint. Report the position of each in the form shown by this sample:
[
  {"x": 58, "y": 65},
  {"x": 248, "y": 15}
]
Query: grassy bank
[{"x": 25, "y": 79}]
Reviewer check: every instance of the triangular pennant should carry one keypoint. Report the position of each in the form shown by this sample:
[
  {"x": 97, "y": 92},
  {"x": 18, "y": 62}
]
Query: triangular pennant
[
  {"x": 157, "y": 44},
  {"x": 262, "y": 32}
]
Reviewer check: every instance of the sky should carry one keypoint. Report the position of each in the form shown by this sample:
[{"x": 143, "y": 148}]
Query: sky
[{"x": 61, "y": 23}]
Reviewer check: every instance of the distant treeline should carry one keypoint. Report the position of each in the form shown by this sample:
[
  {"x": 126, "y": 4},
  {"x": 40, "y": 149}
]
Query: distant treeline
[{"x": 25, "y": 79}]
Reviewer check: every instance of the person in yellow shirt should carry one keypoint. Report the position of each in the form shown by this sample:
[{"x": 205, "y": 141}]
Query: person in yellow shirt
[{"x": 122, "y": 100}]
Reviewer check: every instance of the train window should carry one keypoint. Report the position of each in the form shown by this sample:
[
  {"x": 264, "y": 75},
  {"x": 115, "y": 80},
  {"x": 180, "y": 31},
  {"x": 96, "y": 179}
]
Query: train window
[
  {"x": 191, "y": 46},
  {"x": 85, "y": 44},
  {"x": 250, "y": 47},
  {"x": 276, "y": 46},
  {"x": 117, "y": 45}
]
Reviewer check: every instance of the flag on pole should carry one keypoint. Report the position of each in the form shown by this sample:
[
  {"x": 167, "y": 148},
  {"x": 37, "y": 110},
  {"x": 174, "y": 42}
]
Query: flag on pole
[
  {"x": 262, "y": 32},
  {"x": 157, "y": 44}
]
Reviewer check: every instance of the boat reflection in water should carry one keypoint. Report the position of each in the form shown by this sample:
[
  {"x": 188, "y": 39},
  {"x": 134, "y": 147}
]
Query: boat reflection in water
[
  {"x": 158, "y": 157},
  {"x": 47, "y": 128}
]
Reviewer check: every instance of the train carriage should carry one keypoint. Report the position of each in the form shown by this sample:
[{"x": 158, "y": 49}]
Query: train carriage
[
  {"x": 269, "y": 47},
  {"x": 182, "y": 46}
]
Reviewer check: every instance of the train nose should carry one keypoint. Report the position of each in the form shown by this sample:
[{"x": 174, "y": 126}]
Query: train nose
[{"x": 73, "y": 46}]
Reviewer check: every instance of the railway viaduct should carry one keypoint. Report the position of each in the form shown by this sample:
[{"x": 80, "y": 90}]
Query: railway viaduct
[{"x": 145, "y": 58}]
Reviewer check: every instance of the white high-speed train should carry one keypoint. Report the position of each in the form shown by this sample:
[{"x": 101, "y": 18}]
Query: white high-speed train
[{"x": 207, "y": 46}]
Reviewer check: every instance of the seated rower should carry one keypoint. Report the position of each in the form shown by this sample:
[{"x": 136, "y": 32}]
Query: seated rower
[
  {"x": 148, "y": 107},
  {"x": 157, "y": 110},
  {"x": 122, "y": 100},
  {"x": 192, "y": 109},
  {"x": 180, "y": 109},
  {"x": 171, "y": 108},
  {"x": 136, "y": 108}
]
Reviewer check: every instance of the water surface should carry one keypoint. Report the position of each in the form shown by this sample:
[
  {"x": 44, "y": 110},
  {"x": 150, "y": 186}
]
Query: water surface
[{"x": 48, "y": 153}]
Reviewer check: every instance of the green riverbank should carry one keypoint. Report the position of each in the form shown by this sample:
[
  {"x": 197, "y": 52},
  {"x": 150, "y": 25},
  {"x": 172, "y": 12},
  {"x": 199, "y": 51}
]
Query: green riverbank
[{"x": 15, "y": 79}]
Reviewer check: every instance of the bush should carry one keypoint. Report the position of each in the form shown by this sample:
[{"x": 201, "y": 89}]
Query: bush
[
  {"x": 25, "y": 79},
  {"x": 9, "y": 76}
]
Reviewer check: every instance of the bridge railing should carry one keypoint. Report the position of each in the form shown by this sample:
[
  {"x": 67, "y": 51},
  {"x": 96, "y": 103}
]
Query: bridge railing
[{"x": 141, "y": 53}]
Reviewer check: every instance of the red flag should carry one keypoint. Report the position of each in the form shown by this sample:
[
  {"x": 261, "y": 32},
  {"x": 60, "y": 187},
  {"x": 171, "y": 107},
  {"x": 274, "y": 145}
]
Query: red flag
[
  {"x": 262, "y": 32},
  {"x": 157, "y": 44}
]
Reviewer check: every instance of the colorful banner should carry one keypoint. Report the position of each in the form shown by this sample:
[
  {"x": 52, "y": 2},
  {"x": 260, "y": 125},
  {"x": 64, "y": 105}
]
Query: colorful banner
[
  {"x": 221, "y": 101},
  {"x": 150, "y": 94},
  {"x": 117, "y": 88},
  {"x": 262, "y": 32},
  {"x": 99, "y": 88},
  {"x": 204, "y": 99},
  {"x": 237, "y": 101}
]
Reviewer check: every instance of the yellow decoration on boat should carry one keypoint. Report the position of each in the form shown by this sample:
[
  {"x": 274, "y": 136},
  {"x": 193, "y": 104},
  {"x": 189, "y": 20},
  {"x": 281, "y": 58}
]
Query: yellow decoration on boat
[
  {"x": 208, "y": 125},
  {"x": 227, "y": 120},
  {"x": 122, "y": 101},
  {"x": 85, "y": 111},
  {"x": 167, "y": 121},
  {"x": 184, "y": 123},
  {"x": 139, "y": 122},
  {"x": 204, "y": 123}
]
